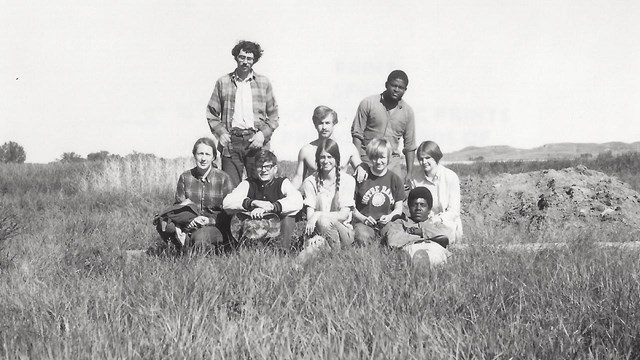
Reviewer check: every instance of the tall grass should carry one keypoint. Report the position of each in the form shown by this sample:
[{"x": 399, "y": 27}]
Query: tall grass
[
  {"x": 140, "y": 175},
  {"x": 69, "y": 290}
]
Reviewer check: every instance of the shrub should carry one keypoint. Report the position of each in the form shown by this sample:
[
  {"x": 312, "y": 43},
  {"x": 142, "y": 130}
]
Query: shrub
[{"x": 12, "y": 152}]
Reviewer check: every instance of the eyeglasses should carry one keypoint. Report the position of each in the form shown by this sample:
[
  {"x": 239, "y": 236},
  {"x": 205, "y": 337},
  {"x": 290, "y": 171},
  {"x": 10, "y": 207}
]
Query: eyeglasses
[
  {"x": 267, "y": 167},
  {"x": 243, "y": 58}
]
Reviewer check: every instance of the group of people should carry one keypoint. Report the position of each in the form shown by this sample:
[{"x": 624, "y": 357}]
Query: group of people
[{"x": 215, "y": 207}]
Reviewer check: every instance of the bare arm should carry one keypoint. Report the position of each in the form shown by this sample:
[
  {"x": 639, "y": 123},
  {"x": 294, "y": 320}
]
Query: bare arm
[{"x": 300, "y": 170}]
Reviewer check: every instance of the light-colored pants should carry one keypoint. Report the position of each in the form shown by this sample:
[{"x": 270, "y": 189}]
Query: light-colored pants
[
  {"x": 331, "y": 235},
  {"x": 335, "y": 232},
  {"x": 437, "y": 254},
  {"x": 394, "y": 234}
]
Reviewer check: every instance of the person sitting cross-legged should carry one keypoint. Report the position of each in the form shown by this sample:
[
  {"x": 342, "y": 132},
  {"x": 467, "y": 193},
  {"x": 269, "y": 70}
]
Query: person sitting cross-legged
[
  {"x": 262, "y": 205},
  {"x": 422, "y": 236},
  {"x": 196, "y": 220},
  {"x": 379, "y": 198},
  {"x": 329, "y": 202}
]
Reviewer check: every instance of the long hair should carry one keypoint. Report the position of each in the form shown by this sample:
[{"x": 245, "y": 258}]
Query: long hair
[{"x": 332, "y": 148}]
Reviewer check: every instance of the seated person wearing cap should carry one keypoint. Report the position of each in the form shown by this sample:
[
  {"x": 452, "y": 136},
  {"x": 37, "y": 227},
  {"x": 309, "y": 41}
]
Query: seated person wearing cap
[
  {"x": 424, "y": 238},
  {"x": 262, "y": 204}
]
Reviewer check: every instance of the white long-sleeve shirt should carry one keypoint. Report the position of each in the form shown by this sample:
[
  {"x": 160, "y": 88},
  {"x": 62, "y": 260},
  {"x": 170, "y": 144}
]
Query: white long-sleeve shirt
[
  {"x": 289, "y": 203},
  {"x": 445, "y": 189}
]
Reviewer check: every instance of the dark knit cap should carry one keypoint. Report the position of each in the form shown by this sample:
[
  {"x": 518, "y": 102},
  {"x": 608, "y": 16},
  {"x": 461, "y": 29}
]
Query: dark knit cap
[{"x": 421, "y": 193}]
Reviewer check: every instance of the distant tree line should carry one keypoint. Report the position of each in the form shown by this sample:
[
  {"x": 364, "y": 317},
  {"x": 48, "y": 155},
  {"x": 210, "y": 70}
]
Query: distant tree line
[{"x": 72, "y": 157}]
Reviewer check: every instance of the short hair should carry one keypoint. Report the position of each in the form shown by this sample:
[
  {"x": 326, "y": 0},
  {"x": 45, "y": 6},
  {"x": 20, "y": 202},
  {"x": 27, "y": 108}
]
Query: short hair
[
  {"x": 207, "y": 141},
  {"x": 420, "y": 192},
  {"x": 398, "y": 74},
  {"x": 378, "y": 147},
  {"x": 321, "y": 112},
  {"x": 249, "y": 47},
  {"x": 264, "y": 156},
  {"x": 431, "y": 148}
]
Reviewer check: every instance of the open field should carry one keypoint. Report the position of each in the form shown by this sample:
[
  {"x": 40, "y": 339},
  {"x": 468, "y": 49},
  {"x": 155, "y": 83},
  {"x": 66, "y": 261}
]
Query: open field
[{"x": 67, "y": 291}]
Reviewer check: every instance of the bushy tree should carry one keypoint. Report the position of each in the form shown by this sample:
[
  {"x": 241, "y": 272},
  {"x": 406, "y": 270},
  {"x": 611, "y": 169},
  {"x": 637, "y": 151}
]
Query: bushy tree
[
  {"x": 70, "y": 157},
  {"x": 137, "y": 156},
  {"x": 98, "y": 156},
  {"x": 12, "y": 152}
]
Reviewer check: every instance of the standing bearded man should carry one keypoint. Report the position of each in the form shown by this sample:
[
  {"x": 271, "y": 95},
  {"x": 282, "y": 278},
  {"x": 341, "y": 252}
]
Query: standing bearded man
[{"x": 242, "y": 113}]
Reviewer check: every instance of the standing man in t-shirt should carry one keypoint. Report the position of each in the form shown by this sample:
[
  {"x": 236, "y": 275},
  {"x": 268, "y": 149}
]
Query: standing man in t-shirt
[
  {"x": 389, "y": 117},
  {"x": 242, "y": 113}
]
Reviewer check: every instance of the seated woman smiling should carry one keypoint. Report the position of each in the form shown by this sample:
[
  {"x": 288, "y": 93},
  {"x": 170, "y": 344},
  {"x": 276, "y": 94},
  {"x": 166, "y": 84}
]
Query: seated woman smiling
[
  {"x": 329, "y": 202},
  {"x": 443, "y": 184}
]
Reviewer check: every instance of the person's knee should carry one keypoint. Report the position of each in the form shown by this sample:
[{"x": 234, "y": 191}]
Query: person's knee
[
  {"x": 437, "y": 257},
  {"x": 323, "y": 225},
  {"x": 207, "y": 236}
]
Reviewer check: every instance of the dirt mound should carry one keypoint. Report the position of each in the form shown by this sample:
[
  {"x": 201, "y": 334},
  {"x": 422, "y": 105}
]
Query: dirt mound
[{"x": 567, "y": 197}]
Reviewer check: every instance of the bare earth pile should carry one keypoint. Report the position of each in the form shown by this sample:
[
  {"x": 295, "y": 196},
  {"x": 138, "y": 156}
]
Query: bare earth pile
[{"x": 572, "y": 197}]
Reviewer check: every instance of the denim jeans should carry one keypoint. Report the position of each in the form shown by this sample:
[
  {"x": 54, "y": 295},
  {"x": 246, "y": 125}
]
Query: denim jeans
[{"x": 238, "y": 156}]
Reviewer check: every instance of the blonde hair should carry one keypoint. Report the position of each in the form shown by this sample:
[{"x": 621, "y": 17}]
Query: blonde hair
[{"x": 376, "y": 148}]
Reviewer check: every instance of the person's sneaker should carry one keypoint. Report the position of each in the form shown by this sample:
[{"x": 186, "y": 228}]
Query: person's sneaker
[
  {"x": 311, "y": 247},
  {"x": 420, "y": 261},
  {"x": 181, "y": 236}
]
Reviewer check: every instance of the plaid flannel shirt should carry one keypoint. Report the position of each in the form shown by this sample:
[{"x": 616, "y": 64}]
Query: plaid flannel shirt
[
  {"x": 221, "y": 106},
  {"x": 207, "y": 192}
]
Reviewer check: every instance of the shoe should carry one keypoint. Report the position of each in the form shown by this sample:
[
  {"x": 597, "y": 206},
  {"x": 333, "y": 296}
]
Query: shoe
[
  {"x": 311, "y": 247},
  {"x": 181, "y": 236}
]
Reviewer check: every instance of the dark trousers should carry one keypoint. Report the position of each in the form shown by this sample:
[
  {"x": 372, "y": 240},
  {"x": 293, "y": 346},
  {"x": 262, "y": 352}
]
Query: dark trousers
[
  {"x": 201, "y": 239},
  {"x": 238, "y": 156}
]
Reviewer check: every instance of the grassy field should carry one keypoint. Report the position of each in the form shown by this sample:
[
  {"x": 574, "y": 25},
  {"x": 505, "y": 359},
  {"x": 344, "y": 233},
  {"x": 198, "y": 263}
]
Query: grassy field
[{"x": 68, "y": 291}]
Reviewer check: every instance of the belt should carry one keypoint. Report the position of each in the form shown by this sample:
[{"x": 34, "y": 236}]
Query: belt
[{"x": 242, "y": 132}]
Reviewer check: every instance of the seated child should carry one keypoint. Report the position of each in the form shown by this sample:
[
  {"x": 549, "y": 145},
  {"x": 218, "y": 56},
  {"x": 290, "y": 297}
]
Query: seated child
[
  {"x": 422, "y": 236},
  {"x": 262, "y": 205},
  {"x": 378, "y": 198}
]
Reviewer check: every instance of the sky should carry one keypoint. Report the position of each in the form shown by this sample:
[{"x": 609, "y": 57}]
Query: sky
[{"x": 86, "y": 75}]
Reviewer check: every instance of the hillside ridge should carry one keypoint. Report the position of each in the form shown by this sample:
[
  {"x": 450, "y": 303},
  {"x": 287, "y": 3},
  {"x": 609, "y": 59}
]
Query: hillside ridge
[{"x": 562, "y": 150}]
